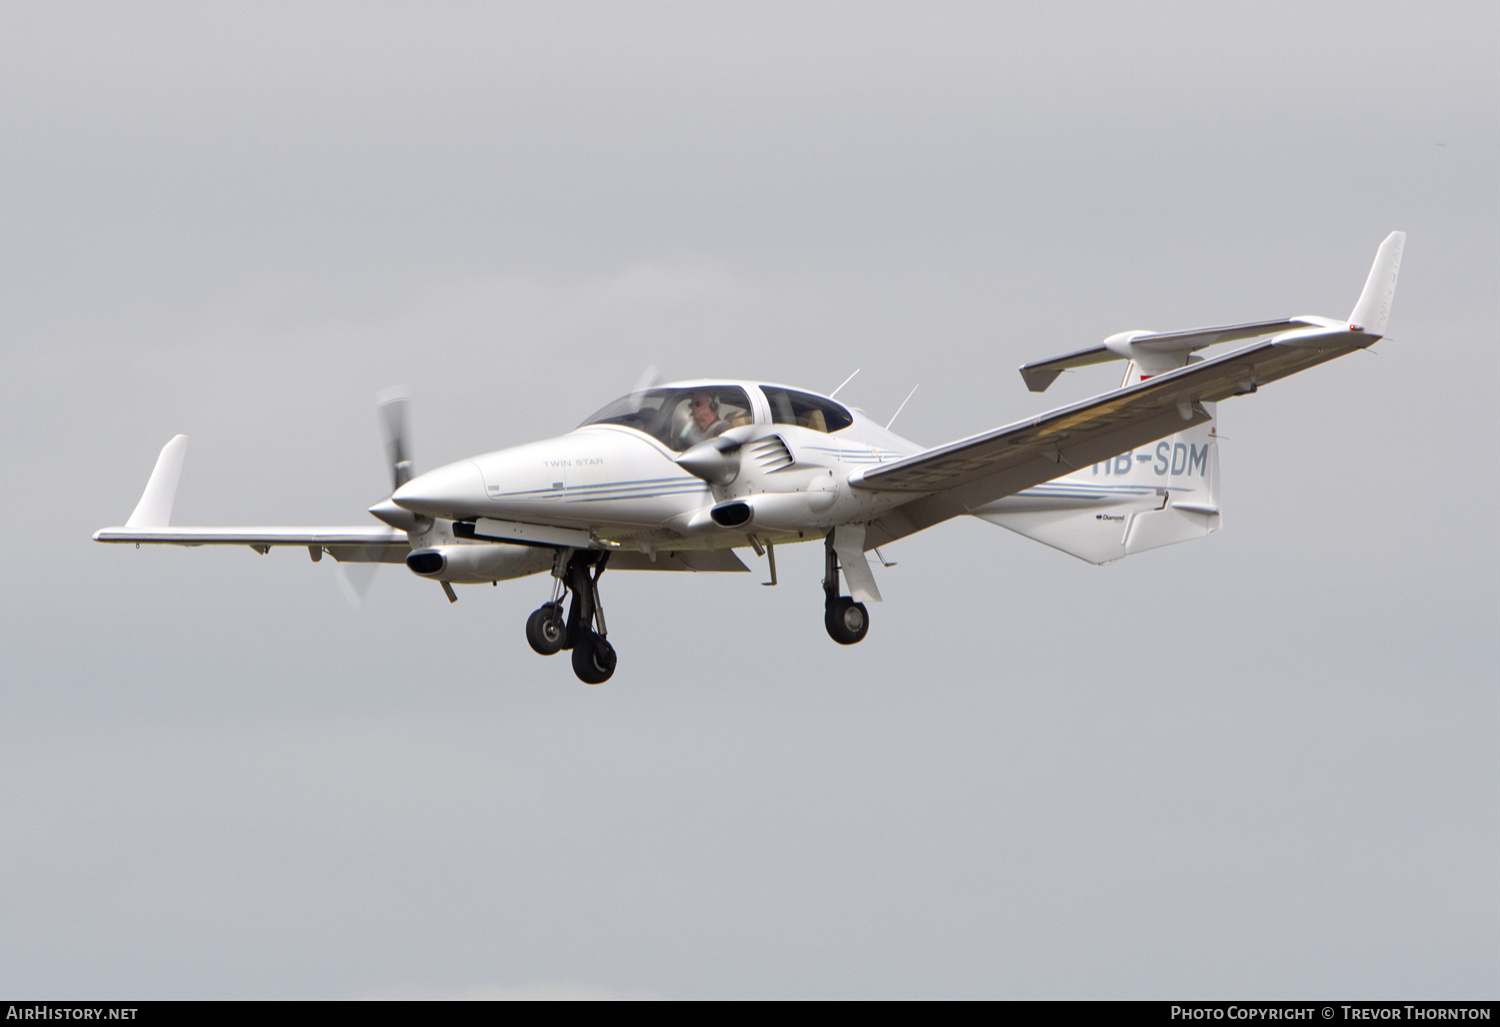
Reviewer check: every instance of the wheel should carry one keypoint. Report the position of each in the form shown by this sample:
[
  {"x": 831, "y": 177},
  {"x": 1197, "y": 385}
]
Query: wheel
[
  {"x": 593, "y": 659},
  {"x": 847, "y": 621},
  {"x": 545, "y": 629}
]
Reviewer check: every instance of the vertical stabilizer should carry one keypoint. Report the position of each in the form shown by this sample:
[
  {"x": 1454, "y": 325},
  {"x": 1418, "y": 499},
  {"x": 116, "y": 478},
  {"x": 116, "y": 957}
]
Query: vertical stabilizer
[
  {"x": 1374, "y": 307},
  {"x": 155, "y": 508},
  {"x": 1162, "y": 493}
]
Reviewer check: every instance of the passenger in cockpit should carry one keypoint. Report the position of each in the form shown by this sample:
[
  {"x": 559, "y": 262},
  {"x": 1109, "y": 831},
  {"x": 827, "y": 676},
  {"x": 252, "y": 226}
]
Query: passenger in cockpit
[{"x": 704, "y": 421}]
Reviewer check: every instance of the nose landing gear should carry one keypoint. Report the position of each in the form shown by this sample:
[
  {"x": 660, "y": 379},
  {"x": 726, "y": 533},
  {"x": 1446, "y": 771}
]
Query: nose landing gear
[
  {"x": 847, "y": 621},
  {"x": 583, "y": 630}
]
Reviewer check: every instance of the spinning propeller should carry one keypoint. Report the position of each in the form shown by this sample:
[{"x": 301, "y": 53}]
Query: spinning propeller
[
  {"x": 355, "y": 576},
  {"x": 392, "y": 405}
]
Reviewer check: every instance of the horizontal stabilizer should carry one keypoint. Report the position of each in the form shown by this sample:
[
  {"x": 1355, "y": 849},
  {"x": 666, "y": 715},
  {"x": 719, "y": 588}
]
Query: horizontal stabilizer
[
  {"x": 1158, "y": 352},
  {"x": 971, "y": 473},
  {"x": 1148, "y": 348},
  {"x": 1040, "y": 375}
]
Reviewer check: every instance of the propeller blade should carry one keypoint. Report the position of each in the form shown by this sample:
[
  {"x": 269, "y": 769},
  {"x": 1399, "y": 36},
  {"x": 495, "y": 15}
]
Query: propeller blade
[
  {"x": 354, "y": 580},
  {"x": 393, "y": 405},
  {"x": 649, "y": 377},
  {"x": 355, "y": 573}
]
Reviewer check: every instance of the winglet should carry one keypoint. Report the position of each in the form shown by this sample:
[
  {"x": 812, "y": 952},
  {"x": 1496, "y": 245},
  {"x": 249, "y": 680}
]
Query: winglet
[
  {"x": 155, "y": 508},
  {"x": 1374, "y": 307}
]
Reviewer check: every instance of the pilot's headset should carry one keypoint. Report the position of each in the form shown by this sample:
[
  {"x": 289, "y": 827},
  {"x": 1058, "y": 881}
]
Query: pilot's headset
[{"x": 713, "y": 399}]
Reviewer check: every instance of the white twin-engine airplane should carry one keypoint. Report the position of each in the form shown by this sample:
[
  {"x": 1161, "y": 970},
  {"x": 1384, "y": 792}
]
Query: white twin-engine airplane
[{"x": 676, "y": 477}]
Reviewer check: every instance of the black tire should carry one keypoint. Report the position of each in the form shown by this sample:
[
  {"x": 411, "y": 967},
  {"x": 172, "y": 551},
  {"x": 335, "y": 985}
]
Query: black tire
[
  {"x": 593, "y": 659},
  {"x": 545, "y": 629},
  {"x": 847, "y": 621}
]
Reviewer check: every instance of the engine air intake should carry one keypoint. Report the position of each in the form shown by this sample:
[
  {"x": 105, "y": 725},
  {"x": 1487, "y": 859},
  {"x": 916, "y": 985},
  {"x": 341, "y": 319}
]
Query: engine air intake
[
  {"x": 426, "y": 561},
  {"x": 730, "y": 515}
]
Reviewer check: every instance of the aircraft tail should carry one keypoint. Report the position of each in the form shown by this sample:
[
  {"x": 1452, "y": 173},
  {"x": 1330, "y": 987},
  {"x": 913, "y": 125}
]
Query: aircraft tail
[
  {"x": 1168, "y": 490},
  {"x": 1159, "y": 494}
]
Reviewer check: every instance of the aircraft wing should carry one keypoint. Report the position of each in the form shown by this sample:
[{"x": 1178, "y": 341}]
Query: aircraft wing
[
  {"x": 972, "y": 472},
  {"x": 151, "y": 524},
  {"x": 375, "y": 543}
]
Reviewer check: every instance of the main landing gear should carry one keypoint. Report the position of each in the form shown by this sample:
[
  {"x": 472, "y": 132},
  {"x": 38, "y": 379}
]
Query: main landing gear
[
  {"x": 847, "y": 621},
  {"x": 549, "y": 631}
]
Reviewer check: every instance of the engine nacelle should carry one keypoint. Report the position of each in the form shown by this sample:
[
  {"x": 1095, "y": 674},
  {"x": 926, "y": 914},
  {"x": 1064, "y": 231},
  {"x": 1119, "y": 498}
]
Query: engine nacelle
[
  {"x": 774, "y": 510},
  {"x": 478, "y": 562}
]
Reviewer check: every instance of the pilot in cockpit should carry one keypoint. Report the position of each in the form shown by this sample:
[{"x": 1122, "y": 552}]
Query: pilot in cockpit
[{"x": 704, "y": 421}]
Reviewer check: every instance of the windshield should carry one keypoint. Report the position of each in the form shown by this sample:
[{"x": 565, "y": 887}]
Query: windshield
[{"x": 679, "y": 418}]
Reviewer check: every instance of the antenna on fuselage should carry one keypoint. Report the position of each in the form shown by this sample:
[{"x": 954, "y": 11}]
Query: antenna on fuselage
[
  {"x": 902, "y": 407},
  {"x": 846, "y": 381}
]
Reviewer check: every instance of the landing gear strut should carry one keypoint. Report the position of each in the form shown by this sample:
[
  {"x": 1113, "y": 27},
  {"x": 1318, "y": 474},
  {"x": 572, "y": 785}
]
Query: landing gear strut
[
  {"x": 583, "y": 629},
  {"x": 847, "y": 621}
]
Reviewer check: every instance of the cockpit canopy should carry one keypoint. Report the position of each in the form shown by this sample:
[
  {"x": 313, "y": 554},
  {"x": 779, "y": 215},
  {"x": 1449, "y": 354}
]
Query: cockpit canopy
[
  {"x": 788, "y": 406},
  {"x": 682, "y": 416}
]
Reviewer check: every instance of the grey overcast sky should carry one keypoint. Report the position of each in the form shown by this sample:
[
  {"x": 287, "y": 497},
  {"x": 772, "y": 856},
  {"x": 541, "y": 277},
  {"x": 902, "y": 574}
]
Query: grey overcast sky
[{"x": 1261, "y": 765}]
